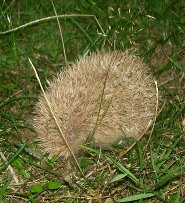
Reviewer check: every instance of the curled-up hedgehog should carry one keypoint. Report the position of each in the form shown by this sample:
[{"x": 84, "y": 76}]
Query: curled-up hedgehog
[{"x": 106, "y": 95}]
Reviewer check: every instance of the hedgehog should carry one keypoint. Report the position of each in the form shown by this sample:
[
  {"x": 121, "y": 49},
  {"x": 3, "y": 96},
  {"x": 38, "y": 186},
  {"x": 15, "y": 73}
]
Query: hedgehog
[{"x": 105, "y": 95}]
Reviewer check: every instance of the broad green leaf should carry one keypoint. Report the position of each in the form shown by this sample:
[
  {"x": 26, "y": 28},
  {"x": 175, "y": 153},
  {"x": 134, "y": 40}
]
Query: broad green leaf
[
  {"x": 36, "y": 188},
  {"x": 18, "y": 163},
  {"x": 53, "y": 185}
]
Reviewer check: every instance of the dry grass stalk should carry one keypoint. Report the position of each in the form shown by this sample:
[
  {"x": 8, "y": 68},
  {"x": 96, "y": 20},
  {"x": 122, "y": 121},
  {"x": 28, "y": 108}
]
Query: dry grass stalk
[
  {"x": 61, "y": 34},
  {"x": 12, "y": 172},
  {"x": 41, "y": 20},
  {"x": 49, "y": 105}
]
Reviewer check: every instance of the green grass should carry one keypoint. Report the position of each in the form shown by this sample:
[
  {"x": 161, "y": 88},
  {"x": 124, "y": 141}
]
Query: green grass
[{"x": 156, "y": 29}]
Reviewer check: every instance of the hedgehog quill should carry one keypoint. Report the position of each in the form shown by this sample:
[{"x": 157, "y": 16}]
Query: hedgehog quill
[{"x": 109, "y": 93}]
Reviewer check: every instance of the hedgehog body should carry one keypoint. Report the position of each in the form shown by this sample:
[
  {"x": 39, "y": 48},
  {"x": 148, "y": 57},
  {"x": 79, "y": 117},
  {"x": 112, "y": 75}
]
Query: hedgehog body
[{"x": 112, "y": 94}]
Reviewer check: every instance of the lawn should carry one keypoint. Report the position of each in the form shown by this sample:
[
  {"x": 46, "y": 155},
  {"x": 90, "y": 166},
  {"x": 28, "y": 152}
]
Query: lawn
[{"x": 153, "y": 170}]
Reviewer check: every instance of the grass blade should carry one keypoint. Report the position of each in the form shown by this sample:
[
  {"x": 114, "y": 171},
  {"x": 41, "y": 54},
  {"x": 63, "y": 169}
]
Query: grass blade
[
  {"x": 123, "y": 169},
  {"x": 118, "y": 177},
  {"x": 135, "y": 197},
  {"x": 169, "y": 176}
]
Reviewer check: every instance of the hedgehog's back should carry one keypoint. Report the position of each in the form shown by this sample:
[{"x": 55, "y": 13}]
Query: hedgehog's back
[{"x": 112, "y": 94}]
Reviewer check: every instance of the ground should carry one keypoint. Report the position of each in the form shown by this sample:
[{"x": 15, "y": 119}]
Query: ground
[{"x": 154, "y": 168}]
